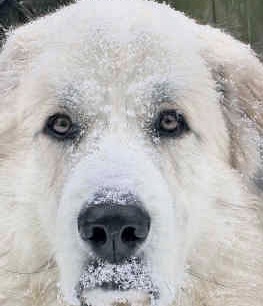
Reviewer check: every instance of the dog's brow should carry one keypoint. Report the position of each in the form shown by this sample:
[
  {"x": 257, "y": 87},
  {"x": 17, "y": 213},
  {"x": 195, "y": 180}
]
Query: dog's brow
[
  {"x": 162, "y": 93},
  {"x": 69, "y": 96}
]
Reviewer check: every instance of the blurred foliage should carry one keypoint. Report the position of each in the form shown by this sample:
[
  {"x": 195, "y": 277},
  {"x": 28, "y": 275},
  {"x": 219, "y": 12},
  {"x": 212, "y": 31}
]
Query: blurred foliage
[{"x": 242, "y": 18}]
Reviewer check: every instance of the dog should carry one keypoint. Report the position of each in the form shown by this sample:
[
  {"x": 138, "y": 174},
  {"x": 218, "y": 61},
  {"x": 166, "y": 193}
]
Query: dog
[{"x": 131, "y": 161}]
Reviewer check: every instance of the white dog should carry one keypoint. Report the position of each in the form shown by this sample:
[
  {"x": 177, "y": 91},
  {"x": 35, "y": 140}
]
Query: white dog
[{"x": 131, "y": 161}]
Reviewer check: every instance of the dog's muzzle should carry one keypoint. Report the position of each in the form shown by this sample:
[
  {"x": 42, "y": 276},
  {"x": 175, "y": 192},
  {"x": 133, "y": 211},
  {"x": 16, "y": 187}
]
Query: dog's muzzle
[{"x": 114, "y": 225}]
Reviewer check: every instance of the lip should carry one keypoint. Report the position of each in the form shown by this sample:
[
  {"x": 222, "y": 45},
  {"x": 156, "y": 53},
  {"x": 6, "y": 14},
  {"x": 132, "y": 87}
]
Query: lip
[
  {"x": 154, "y": 294},
  {"x": 111, "y": 286},
  {"x": 119, "y": 298},
  {"x": 132, "y": 275}
]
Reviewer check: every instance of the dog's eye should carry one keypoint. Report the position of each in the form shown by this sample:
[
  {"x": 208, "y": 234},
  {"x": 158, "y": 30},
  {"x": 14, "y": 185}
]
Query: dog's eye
[
  {"x": 170, "y": 123},
  {"x": 61, "y": 127}
]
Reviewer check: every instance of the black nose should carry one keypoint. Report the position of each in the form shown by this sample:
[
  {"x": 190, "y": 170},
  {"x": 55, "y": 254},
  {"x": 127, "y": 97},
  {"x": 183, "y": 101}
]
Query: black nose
[{"x": 114, "y": 231}]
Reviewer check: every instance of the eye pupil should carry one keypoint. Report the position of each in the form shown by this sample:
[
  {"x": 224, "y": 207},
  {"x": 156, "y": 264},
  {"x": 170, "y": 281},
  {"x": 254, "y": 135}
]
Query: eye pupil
[
  {"x": 170, "y": 123},
  {"x": 60, "y": 126}
]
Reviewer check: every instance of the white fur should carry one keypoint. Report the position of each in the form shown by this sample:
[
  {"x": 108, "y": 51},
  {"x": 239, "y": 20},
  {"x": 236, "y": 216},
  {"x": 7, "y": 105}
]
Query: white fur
[{"x": 100, "y": 62}]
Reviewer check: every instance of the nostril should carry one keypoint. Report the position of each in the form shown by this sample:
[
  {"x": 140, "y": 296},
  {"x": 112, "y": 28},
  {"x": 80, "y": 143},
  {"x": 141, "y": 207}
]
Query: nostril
[
  {"x": 98, "y": 235},
  {"x": 113, "y": 232},
  {"x": 129, "y": 234}
]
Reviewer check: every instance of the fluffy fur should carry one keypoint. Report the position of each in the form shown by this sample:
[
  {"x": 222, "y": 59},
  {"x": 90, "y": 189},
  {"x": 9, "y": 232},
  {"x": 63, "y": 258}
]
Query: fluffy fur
[{"x": 112, "y": 65}]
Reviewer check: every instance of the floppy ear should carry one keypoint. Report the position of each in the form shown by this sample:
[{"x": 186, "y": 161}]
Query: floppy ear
[
  {"x": 239, "y": 77},
  {"x": 14, "y": 58}
]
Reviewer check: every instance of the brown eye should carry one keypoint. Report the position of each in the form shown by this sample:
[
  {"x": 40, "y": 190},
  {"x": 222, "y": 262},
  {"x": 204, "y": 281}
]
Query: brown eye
[
  {"x": 61, "y": 127},
  {"x": 170, "y": 123}
]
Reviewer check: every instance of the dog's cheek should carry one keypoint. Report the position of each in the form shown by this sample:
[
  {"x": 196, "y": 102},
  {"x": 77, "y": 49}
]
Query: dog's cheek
[{"x": 44, "y": 171}]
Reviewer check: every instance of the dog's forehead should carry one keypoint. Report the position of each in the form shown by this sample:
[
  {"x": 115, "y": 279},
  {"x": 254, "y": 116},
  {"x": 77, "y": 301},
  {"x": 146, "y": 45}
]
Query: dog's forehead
[
  {"x": 93, "y": 62},
  {"x": 95, "y": 55},
  {"x": 134, "y": 74}
]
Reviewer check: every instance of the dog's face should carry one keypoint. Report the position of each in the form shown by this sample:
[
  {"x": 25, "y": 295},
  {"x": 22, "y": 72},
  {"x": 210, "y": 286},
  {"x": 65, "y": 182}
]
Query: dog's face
[{"x": 124, "y": 149}]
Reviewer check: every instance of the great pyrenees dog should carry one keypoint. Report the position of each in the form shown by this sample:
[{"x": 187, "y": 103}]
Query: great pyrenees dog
[{"x": 130, "y": 161}]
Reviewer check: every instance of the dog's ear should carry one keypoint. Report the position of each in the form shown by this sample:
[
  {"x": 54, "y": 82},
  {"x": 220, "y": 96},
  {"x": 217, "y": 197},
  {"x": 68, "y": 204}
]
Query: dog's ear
[
  {"x": 13, "y": 59},
  {"x": 239, "y": 77}
]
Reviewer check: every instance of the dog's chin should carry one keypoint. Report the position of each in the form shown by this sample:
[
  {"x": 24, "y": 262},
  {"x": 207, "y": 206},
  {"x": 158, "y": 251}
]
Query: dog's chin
[
  {"x": 102, "y": 297},
  {"x": 126, "y": 284}
]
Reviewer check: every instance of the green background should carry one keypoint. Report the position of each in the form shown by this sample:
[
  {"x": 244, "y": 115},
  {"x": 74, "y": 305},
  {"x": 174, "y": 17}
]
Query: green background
[{"x": 242, "y": 18}]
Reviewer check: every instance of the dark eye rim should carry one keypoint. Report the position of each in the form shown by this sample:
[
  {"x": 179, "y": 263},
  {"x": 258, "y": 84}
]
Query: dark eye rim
[
  {"x": 71, "y": 134},
  {"x": 181, "y": 128}
]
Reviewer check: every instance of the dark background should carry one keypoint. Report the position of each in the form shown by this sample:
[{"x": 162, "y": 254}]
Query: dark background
[{"x": 242, "y": 18}]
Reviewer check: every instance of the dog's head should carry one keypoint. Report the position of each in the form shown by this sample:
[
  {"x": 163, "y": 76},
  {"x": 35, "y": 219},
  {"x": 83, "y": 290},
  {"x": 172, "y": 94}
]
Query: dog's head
[{"x": 121, "y": 135}]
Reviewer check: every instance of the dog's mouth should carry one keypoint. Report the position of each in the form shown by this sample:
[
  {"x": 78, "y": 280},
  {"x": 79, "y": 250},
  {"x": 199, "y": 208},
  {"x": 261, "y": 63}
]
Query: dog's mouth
[{"x": 132, "y": 275}]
